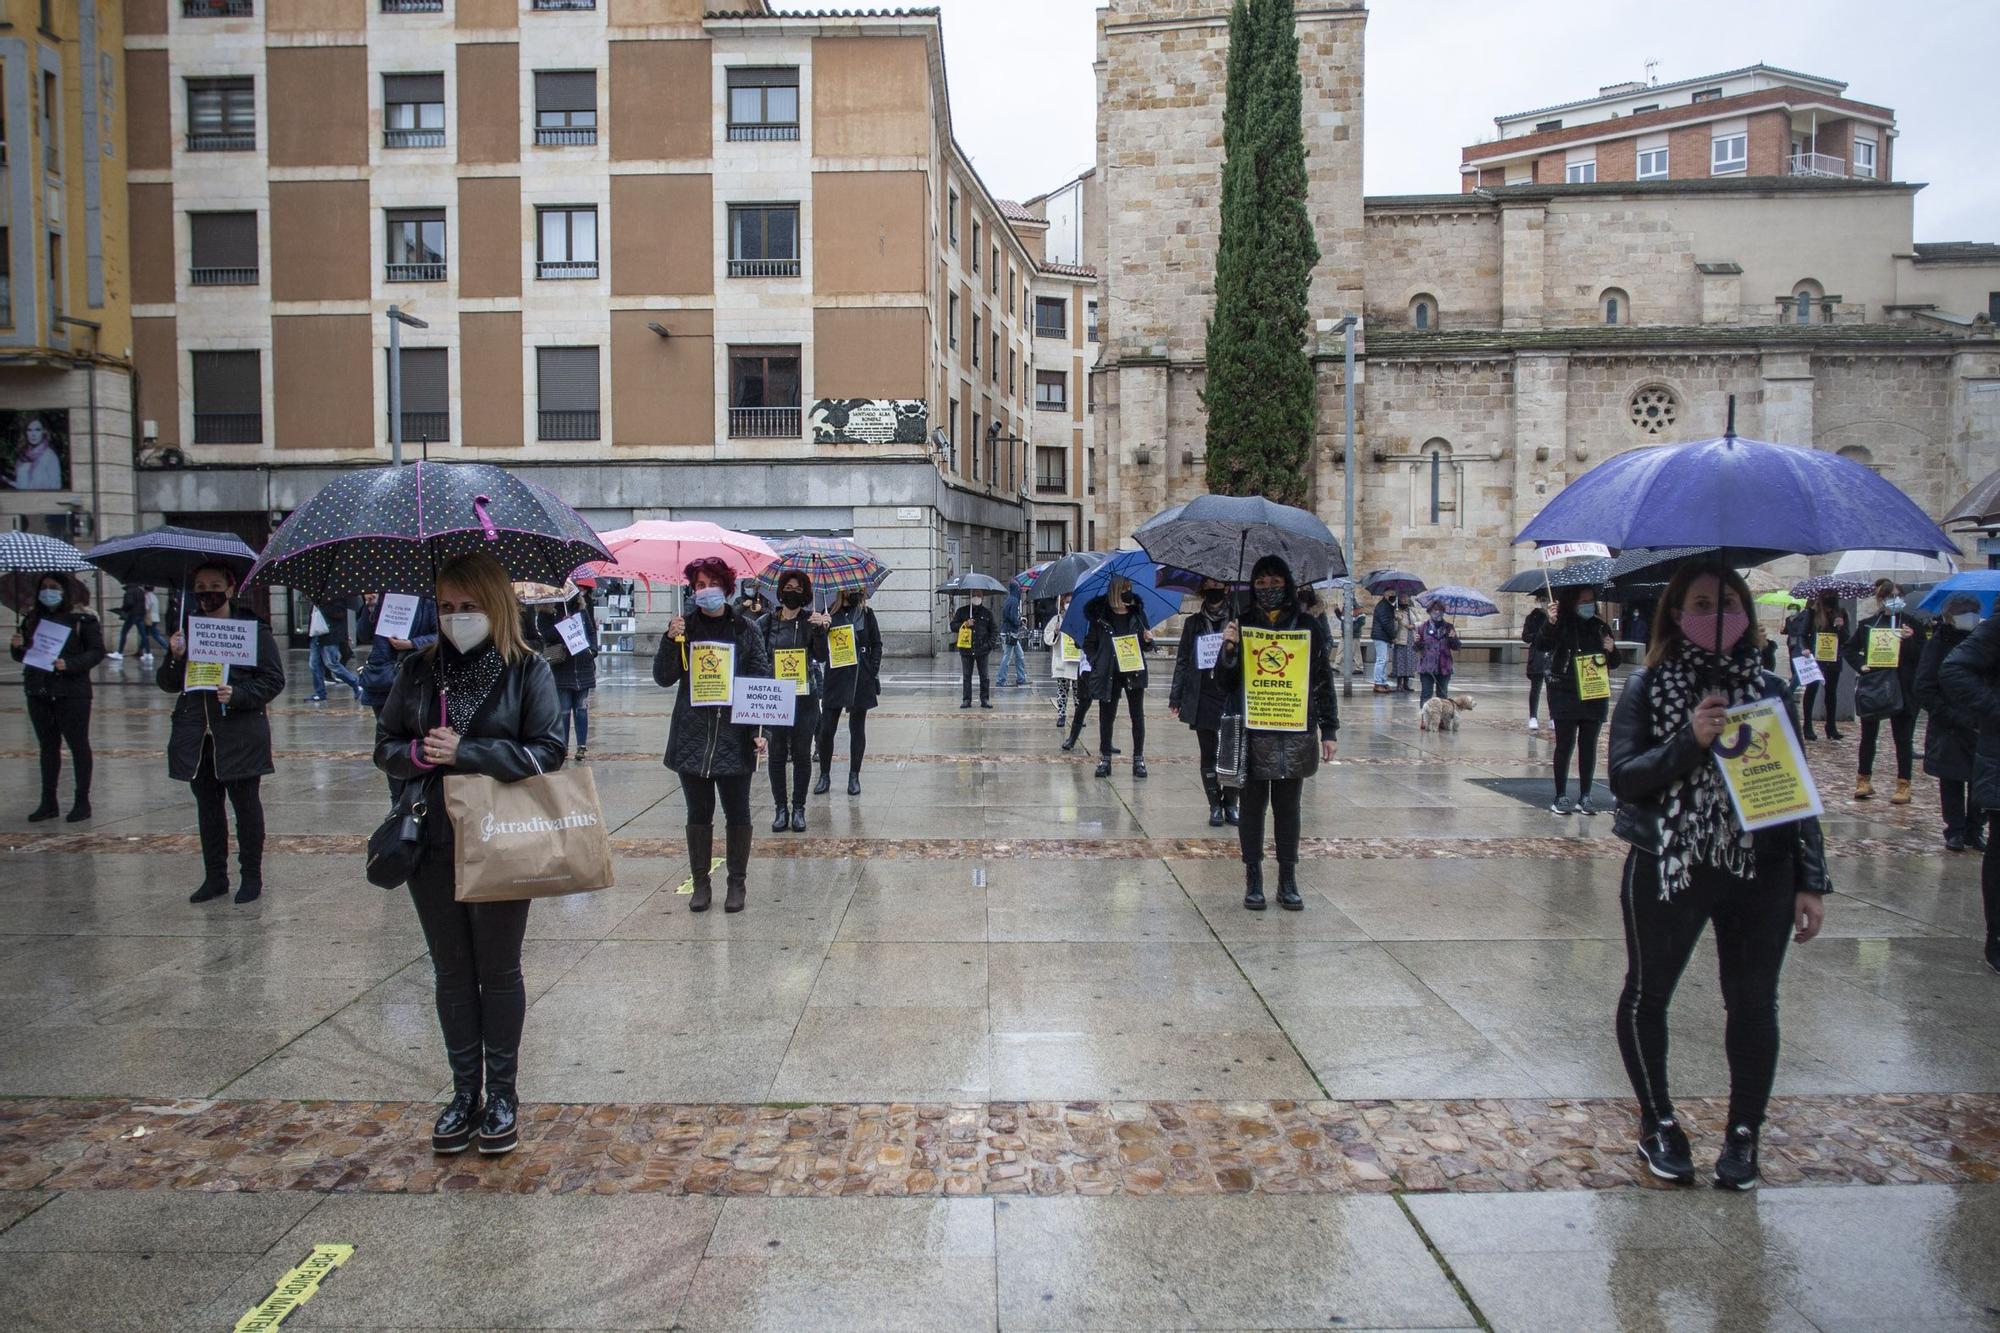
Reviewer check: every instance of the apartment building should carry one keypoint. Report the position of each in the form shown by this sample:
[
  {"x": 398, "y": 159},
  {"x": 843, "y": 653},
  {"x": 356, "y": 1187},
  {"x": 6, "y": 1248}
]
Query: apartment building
[
  {"x": 729, "y": 266},
  {"x": 1756, "y": 121},
  {"x": 65, "y": 327}
]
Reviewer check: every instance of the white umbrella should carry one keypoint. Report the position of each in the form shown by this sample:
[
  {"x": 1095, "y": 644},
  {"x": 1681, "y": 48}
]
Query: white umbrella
[{"x": 1900, "y": 566}]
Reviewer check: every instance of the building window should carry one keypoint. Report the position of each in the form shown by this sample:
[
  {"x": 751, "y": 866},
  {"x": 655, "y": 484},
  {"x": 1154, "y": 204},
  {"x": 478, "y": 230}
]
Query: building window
[
  {"x": 951, "y": 432},
  {"x": 1707, "y": 95},
  {"x": 51, "y": 125},
  {"x": 1864, "y": 158},
  {"x": 1653, "y": 164},
  {"x": 58, "y": 284},
  {"x": 1581, "y": 173},
  {"x": 565, "y": 107},
  {"x": 1011, "y": 308},
  {"x": 1051, "y": 539},
  {"x": 1544, "y": 126},
  {"x": 547, "y": 5},
  {"x": 413, "y": 110},
  {"x": 975, "y": 247},
  {"x": 1992, "y": 298},
  {"x": 566, "y": 404},
  {"x": 1653, "y": 409},
  {"x": 1051, "y": 317},
  {"x": 425, "y": 393},
  {"x": 217, "y": 9},
  {"x": 1434, "y": 481},
  {"x": 222, "y": 116},
  {"x": 1090, "y": 322},
  {"x": 1799, "y": 310},
  {"x": 1052, "y": 471},
  {"x": 1423, "y": 312},
  {"x": 763, "y": 104},
  {"x": 763, "y": 393},
  {"x": 764, "y": 240},
  {"x": 1051, "y": 391},
  {"x": 951, "y": 324},
  {"x": 995, "y": 272},
  {"x": 224, "y": 247},
  {"x": 974, "y": 471},
  {"x": 975, "y": 342},
  {"x": 413, "y": 6},
  {"x": 1013, "y": 360},
  {"x": 993, "y": 359},
  {"x": 416, "y": 245},
  {"x": 228, "y": 398},
  {"x": 1615, "y": 306},
  {"x": 1729, "y": 153},
  {"x": 951, "y": 214},
  {"x": 566, "y": 242}
]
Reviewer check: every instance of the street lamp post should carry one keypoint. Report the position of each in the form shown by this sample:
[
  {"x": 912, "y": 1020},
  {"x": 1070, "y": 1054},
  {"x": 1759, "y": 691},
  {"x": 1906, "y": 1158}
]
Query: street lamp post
[
  {"x": 396, "y": 321},
  {"x": 1349, "y": 646}
]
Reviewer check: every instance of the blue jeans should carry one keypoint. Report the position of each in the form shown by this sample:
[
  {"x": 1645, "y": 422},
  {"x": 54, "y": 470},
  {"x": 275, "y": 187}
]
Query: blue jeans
[
  {"x": 575, "y": 703},
  {"x": 325, "y": 657},
  {"x": 1384, "y": 650},
  {"x": 1011, "y": 651}
]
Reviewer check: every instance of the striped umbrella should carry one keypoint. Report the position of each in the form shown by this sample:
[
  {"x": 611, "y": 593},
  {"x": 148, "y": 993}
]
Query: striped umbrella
[
  {"x": 1026, "y": 577},
  {"x": 834, "y": 564},
  {"x": 32, "y": 553}
]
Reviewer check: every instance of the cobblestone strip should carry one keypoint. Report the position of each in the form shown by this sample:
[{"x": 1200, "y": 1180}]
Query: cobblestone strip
[{"x": 1043, "y": 1148}]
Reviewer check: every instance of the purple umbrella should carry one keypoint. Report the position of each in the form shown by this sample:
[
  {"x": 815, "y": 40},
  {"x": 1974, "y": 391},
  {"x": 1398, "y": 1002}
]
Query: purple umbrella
[{"x": 1396, "y": 581}]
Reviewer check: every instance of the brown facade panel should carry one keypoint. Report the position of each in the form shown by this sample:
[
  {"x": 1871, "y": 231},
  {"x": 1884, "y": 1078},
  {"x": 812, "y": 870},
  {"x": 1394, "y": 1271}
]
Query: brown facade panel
[
  {"x": 487, "y": 14},
  {"x": 489, "y": 236},
  {"x": 871, "y": 97},
  {"x": 319, "y": 240},
  {"x": 652, "y": 13},
  {"x": 662, "y": 235},
  {"x": 152, "y": 227},
  {"x": 662, "y": 100},
  {"x": 156, "y": 360},
  {"x": 145, "y": 18},
  {"x": 489, "y": 371},
  {"x": 868, "y": 231},
  {"x": 316, "y": 15},
  {"x": 328, "y": 125},
  {"x": 663, "y": 389},
  {"x": 322, "y": 383},
  {"x": 149, "y": 132},
  {"x": 489, "y": 102},
  {"x": 863, "y": 353}
]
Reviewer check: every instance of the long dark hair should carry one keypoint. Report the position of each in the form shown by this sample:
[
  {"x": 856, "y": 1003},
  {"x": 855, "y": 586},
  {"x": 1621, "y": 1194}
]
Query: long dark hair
[{"x": 1667, "y": 635}]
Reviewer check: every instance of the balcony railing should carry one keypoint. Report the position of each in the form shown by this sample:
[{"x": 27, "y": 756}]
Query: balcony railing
[
  {"x": 1050, "y": 330},
  {"x": 564, "y": 4},
  {"x": 217, "y": 9},
  {"x": 764, "y": 423},
  {"x": 432, "y": 426},
  {"x": 566, "y": 425},
  {"x": 554, "y": 269},
  {"x": 1048, "y": 405},
  {"x": 763, "y": 268},
  {"x": 413, "y": 138},
  {"x": 762, "y": 133},
  {"x": 244, "y": 141},
  {"x": 228, "y": 427},
  {"x": 1051, "y": 485},
  {"x": 222, "y": 277},
  {"x": 412, "y": 6},
  {"x": 416, "y": 272},
  {"x": 568, "y": 136},
  {"x": 1815, "y": 164}
]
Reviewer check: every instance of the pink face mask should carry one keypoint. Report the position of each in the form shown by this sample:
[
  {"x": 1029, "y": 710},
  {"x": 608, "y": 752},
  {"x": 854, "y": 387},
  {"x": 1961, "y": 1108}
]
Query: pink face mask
[{"x": 1701, "y": 630}]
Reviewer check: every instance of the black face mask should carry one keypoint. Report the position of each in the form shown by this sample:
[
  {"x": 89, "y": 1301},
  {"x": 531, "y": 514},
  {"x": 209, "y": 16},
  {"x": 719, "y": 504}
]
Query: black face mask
[
  {"x": 211, "y": 602},
  {"x": 794, "y": 598},
  {"x": 1213, "y": 599},
  {"x": 1271, "y": 598}
]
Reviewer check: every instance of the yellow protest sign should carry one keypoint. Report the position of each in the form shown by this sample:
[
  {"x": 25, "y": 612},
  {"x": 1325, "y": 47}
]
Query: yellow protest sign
[
  {"x": 711, "y": 673},
  {"x": 1129, "y": 656},
  {"x": 1763, "y": 767},
  {"x": 1072, "y": 651},
  {"x": 1885, "y": 646},
  {"x": 1826, "y": 647},
  {"x": 1593, "y": 677},
  {"x": 205, "y": 676},
  {"x": 790, "y": 664},
  {"x": 840, "y": 646},
  {"x": 294, "y": 1289},
  {"x": 965, "y": 637},
  {"x": 1277, "y": 667}
]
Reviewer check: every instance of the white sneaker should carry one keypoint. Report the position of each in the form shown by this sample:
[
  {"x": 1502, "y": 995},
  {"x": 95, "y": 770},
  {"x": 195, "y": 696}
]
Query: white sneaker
[
  {"x": 145, "y": 659},
  {"x": 1534, "y": 724},
  {"x": 114, "y": 657}
]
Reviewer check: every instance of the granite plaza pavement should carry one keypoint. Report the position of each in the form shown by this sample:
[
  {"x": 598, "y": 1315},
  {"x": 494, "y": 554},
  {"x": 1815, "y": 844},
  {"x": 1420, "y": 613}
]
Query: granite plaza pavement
[{"x": 993, "y": 1046}]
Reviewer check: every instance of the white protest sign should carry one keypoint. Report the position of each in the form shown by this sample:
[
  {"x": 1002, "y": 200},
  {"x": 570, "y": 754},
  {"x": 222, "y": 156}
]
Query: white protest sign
[
  {"x": 1806, "y": 671},
  {"x": 1566, "y": 550},
  {"x": 50, "y": 638},
  {"x": 760, "y": 701},
  {"x": 574, "y": 636},
  {"x": 395, "y": 616},
  {"x": 1206, "y": 649},
  {"x": 233, "y": 642}
]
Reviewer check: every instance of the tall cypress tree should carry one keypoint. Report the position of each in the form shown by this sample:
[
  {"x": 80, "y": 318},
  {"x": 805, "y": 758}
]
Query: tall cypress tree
[{"x": 1260, "y": 391}]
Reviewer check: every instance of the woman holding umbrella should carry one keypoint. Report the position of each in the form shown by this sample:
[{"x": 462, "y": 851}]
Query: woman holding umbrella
[
  {"x": 59, "y": 696},
  {"x": 1581, "y": 654},
  {"x": 713, "y": 755},
  {"x": 1951, "y": 738},
  {"x": 1196, "y": 696},
  {"x": 795, "y": 638},
  {"x": 1436, "y": 642},
  {"x": 1115, "y": 646},
  {"x": 1823, "y": 629},
  {"x": 220, "y": 744},
  {"x": 1886, "y": 693},
  {"x": 853, "y": 685},
  {"x": 1409, "y": 649}
]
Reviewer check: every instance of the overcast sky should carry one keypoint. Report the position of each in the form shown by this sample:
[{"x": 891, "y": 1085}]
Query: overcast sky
[{"x": 1024, "y": 102}]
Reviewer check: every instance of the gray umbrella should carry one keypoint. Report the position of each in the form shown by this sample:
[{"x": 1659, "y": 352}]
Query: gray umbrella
[
  {"x": 1224, "y": 536},
  {"x": 961, "y": 584},
  {"x": 1062, "y": 576}
]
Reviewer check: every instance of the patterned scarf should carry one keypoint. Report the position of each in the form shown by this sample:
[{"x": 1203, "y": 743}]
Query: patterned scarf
[
  {"x": 467, "y": 682},
  {"x": 1698, "y": 825}
]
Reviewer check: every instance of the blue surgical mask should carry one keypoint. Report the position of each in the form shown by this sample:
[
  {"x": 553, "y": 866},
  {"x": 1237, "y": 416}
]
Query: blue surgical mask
[
  {"x": 710, "y": 599},
  {"x": 50, "y": 597},
  {"x": 1586, "y": 610}
]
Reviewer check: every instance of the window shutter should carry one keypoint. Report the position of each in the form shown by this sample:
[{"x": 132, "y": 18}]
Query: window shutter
[
  {"x": 568, "y": 378},
  {"x": 224, "y": 240},
  {"x": 764, "y": 78},
  {"x": 426, "y": 387},
  {"x": 566, "y": 91},
  {"x": 227, "y": 382},
  {"x": 413, "y": 87}
]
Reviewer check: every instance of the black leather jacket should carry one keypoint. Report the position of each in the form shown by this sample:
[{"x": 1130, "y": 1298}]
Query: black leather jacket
[
  {"x": 1197, "y": 693},
  {"x": 1643, "y": 766},
  {"x": 518, "y": 728}
]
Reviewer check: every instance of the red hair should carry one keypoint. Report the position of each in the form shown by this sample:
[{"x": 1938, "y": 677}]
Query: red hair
[{"x": 717, "y": 569}]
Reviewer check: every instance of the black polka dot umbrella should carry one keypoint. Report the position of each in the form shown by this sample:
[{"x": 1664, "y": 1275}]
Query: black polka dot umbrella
[{"x": 391, "y": 529}]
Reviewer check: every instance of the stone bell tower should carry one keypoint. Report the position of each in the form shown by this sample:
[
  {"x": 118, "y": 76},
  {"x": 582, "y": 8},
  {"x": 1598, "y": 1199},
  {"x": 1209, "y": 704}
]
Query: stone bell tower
[{"x": 1160, "y": 97}]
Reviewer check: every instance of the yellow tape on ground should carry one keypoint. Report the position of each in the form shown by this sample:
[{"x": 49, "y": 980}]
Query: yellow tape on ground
[
  {"x": 294, "y": 1288},
  {"x": 687, "y": 885}
]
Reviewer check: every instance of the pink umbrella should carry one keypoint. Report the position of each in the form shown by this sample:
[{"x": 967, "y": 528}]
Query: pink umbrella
[{"x": 659, "y": 549}]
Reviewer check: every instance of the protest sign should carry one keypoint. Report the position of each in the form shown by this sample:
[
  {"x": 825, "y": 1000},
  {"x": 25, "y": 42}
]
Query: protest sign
[
  {"x": 215, "y": 640},
  {"x": 759, "y": 701},
  {"x": 1763, "y": 767},
  {"x": 1276, "y": 678}
]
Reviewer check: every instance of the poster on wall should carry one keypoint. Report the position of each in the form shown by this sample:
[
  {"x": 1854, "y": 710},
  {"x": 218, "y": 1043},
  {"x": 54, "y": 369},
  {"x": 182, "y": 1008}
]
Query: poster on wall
[
  {"x": 34, "y": 450},
  {"x": 870, "y": 421}
]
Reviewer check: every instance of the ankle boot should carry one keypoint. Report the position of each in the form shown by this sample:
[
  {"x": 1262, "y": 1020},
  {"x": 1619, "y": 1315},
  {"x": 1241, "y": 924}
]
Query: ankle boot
[
  {"x": 1288, "y": 888},
  {"x": 1253, "y": 887},
  {"x": 1902, "y": 796},
  {"x": 822, "y": 782},
  {"x": 1216, "y": 809},
  {"x": 799, "y": 818},
  {"x": 79, "y": 810},
  {"x": 782, "y": 820},
  {"x": 1864, "y": 790},
  {"x": 737, "y": 849},
  {"x": 701, "y": 855},
  {"x": 499, "y": 1125},
  {"x": 48, "y": 809},
  {"x": 456, "y": 1124},
  {"x": 1229, "y": 811}
]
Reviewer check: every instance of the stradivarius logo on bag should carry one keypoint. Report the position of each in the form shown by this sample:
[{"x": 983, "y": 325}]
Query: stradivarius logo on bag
[{"x": 489, "y": 827}]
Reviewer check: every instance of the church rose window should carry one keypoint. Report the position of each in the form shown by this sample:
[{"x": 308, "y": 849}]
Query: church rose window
[{"x": 1654, "y": 408}]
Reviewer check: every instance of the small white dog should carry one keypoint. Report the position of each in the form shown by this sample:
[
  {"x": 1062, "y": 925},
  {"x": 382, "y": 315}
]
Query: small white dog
[{"x": 1440, "y": 714}]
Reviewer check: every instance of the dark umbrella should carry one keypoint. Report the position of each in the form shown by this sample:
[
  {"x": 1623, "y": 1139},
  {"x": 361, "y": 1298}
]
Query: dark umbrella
[
  {"x": 1397, "y": 582},
  {"x": 1842, "y": 586},
  {"x": 961, "y": 584},
  {"x": 165, "y": 556},
  {"x": 1224, "y": 536},
  {"x": 18, "y": 590},
  {"x": 1978, "y": 507},
  {"x": 1061, "y": 577},
  {"x": 389, "y": 529}
]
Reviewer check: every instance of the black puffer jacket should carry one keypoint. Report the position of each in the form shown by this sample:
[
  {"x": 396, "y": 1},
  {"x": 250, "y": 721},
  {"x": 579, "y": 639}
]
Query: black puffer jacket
[
  {"x": 1909, "y": 653},
  {"x": 1531, "y": 633},
  {"x": 858, "y": 688},
  {"x": 1643, "y": 765},
  {"x": 242, "y": 732},
  {"x": 79, "y": 656},
  {"x": 1289, "y": 754},
  {"x": 515, "y": 734},
  {"x": 1970, "y": 681},
  {"x": 1951, "y": 739},
  {"x": 985, "y": 633},
  {"x": 1101, "y": 652},
  {"x": 1382, "y": 627},
  {"x": 703, "y": 742},
  {"x": 1196, "y": 693},
  {"x": 1564, "y": 637},
  {"x": 571, "y": 671},
  {"x": 798, "y": 632}
]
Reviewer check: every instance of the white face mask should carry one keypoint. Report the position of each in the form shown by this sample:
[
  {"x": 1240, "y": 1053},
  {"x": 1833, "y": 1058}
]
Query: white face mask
[
  {"x": 1586, "y": 610},
  {"x": 466, "y": 630},
  {"x": 1967, "y": 621}
]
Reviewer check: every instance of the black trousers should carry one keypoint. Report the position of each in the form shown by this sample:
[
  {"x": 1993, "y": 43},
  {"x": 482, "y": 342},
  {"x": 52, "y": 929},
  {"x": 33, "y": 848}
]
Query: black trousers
[
  {"x": 1753, "y": 925},
  {"x": 1210, "y": 742},
  {"x": 700, "y": 794},
  {"x": 793, "y": 746},
  {"x": 857, "y": 737},
  {"x": 476, "y": 958},
  {"x": 965, "y": 665},
  {"x": 60, "y": 722},
  {"x": 1282, "y": 795},
  {"x": 1107, "y": 717},
  {"x": 1902, "y": 730},
  {"x": 209, "y": 794},
  {"x": 1961, "y": 814},
  {"x": 1535, "y": 684},
  {"x": 1989, "y": 881},
  {"x": 1579, "y": 738},
  {"x": 1831, "y": 689}
]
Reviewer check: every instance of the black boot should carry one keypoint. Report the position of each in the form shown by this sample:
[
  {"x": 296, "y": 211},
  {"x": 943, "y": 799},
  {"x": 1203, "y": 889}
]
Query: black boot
[
  {"x": 499, "y": 1126},
  {"x": 783, "y": 819},
  {"x": 1138, "y": 765},
  {"x": 701, "y": 855},
  {"x": 1253, "y": 887},
  {"x": 1229, "y": 811},
  {"x": 48, "y": 809},
  {"x": 214, "y": 879},
  {"x": 798, "y": 819},
  {"x": 822, "y": 782},
  {"x": 1104, "y": 766},
  {"x": 737, "y": 848},
  {"x": 79, "y": 810},
  {"x": 1288, "y": 888},
  {"x": 250, "y": 863},
  {"x": 452, "y": 1133},
  {"x": 1217, "y": 810},
  {"x": 853, "y": 782}
]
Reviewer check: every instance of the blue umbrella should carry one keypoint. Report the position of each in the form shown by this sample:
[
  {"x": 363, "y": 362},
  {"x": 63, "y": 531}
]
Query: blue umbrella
[
  {"x": 1158, "y": 603},
  {"x": 1981, "y": 583},
  {"x": 1458, "y": 601}
]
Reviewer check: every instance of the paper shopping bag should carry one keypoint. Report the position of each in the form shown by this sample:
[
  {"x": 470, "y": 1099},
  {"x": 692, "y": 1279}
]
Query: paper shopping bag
[{"x": 542, "y": 837}]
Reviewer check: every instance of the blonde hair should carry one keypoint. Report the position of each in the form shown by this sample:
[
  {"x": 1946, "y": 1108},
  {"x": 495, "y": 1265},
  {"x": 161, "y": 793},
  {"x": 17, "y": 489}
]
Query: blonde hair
[{"x": 486, "y": 579}]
